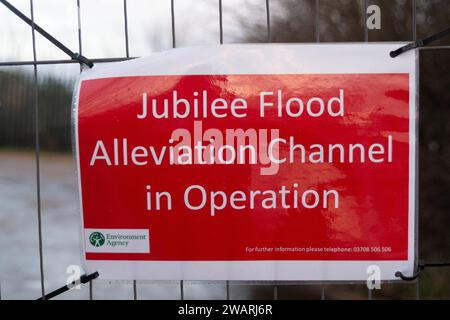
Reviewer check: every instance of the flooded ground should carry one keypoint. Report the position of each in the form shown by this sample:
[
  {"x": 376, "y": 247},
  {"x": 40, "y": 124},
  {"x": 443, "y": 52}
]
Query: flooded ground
[
  {"x": 19, "y": 258},
  {"x": 19, "y": 255}
]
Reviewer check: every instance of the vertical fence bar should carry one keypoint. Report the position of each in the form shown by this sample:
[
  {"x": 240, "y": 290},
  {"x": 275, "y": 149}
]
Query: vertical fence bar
[
  {"x": 364, "y": 16},
  {"x": 135, "y": 297},
  {"x": 317, "y": 36},
  {"x": 172, "y": 15},
  {"x": 127, "y": 53},
  {"x": 37, "y": 152},
  {"x": 366, "y": 39},
  {"x": 316, "y": 21},
  {"x": 125, "y": 17},
  {"x": 414, "y": 34},
  {"x": 79, "y": 28},
  {"x": 269, "y": 33},
  {"x": 80, "y": 46},
  {"x": 220, "y": 22},
  {"x": 269, "y": 40},
  {"x": 414, "y": 22},
  {"x": 417, "y": 289},
  {"x": 80, "y": 50},
  {"x": 181, "y": 290},
  {"x": 227, "y": 282}
]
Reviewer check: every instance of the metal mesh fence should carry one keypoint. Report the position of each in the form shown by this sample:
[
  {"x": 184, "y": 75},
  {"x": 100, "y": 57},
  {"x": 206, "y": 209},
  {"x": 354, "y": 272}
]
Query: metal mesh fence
[{"x": 265, "y": 33}]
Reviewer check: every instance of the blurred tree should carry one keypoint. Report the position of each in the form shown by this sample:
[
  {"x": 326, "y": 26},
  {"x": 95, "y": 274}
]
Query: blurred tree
[
  {"x": 342, "y": 20},
  {"x": 17, "y": 115}
]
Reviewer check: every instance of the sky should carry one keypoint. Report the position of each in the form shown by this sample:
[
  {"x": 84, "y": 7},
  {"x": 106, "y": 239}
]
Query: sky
[
  {"x": 102, "y": 26},
  {"x": 149, "y": 27}
]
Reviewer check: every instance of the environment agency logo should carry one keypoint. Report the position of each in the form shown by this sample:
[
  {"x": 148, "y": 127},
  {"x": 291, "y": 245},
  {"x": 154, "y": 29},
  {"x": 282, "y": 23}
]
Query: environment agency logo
[
  {"x": 117, "y": 240},
  {"x": 97, "y": 239}
]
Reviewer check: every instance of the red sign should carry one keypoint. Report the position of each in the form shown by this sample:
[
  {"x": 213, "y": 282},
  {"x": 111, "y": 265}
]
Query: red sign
[{"x": 246, "y": 167}]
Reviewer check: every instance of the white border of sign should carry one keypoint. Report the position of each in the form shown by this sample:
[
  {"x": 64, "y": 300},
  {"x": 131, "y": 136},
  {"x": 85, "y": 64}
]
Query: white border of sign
[{"x": 253, "y": 59}]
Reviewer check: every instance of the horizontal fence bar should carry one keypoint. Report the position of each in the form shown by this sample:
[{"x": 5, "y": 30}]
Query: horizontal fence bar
[
  {"x": 434, "y": 48},
  {"x": 61, "y": 61},
  {"x": 104, "y": 60}
]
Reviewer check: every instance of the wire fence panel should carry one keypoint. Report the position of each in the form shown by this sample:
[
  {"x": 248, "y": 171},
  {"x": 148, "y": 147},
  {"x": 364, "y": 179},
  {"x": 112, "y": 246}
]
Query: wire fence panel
[{"x": 35, "y": 113}]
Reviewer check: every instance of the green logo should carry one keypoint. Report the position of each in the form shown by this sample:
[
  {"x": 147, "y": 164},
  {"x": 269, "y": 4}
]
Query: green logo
[{"x": 97, "y": 239}]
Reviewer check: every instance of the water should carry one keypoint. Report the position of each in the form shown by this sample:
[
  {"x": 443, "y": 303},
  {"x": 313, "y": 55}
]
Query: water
[
  {"x": 19, "y": 258},
  {"x": 19, "y": 255}
]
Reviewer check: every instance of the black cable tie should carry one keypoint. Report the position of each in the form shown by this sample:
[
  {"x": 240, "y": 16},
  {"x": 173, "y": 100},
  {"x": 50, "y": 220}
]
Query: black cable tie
[
  {"x": 75, "y": 56},
  {"x": 420, "y": 267},
  {"x": 420, "y": 43},
  {"x": 83, "y": 279},
  {"x": 82, "y": 59}
]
